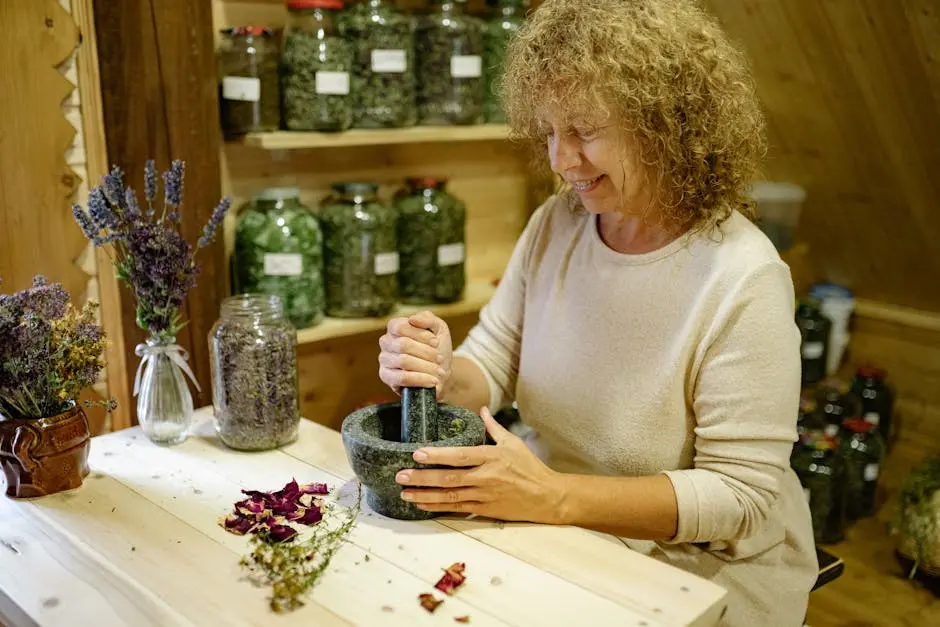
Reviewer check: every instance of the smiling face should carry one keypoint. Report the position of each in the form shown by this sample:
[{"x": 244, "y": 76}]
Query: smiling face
[{"x": 599, "y": 161}]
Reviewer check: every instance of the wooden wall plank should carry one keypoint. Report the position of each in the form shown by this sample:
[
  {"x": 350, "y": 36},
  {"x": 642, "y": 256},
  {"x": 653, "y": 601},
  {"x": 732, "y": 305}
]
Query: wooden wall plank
[{"x": 158, "y": 77}]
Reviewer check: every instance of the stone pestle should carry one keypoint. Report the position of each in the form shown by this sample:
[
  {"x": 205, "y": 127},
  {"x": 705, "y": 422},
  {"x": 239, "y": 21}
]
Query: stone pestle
[{"x": 419, "y": 415}]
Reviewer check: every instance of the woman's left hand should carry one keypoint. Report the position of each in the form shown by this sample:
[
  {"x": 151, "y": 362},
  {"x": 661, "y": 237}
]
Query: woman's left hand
[{"x": 506, "y": 481}]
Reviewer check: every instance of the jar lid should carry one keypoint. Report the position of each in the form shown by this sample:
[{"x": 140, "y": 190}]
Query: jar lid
[
  {"x": 300, "y": 5},
  {"x": 870, "y": 372},
  {"x": 356, "y": 188},
  {"x": 859, "y": 425},
  {"x": 255, "y": 31},
  {"x": 277, "y": 193},
  {"x": 423, "y": 182}
]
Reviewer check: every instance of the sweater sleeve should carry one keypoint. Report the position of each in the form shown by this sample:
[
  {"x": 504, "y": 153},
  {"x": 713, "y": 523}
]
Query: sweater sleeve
[
  {"x": 745, "y": 401},
  {"x": 495, "y": 342}
]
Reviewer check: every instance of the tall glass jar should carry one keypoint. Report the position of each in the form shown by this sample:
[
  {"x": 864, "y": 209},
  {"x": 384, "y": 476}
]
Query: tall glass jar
[
  {"x": 249, "y": 94},
  {"x": 431, "y": 242},
  {"x": 837, "y": 403},
  {"x": 253, "y": 357},
  {"x": 360, "y": 252},
  {"x": 814, "y": 347},
  {"x": 383, "y": 78},
  {"x": 279, "y": 250},
  {"x": 877, "y": 399},
  {"x": 449, "y": 55},
  {"x": 863, "y": 450},
  {"x": 505, "y": 22},
  {"x": 316, "y": 64},
  {"x": 821, "y": 472}
]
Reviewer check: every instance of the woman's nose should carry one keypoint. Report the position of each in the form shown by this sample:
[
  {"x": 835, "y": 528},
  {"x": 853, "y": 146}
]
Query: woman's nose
[{"x": 564, "y": 153}]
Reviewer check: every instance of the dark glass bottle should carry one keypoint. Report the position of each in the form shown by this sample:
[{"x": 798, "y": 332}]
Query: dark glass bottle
[
  {"x": 877, "y": 399},
  {"x": 862, "y": 451},
  {"x": 821, "y": 472},
  {"x": 814, "y": 346},
  {"x": 837, "y": 404}
]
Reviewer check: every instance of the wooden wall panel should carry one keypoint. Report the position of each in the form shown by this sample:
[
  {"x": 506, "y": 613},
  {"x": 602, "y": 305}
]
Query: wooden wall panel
[{"x": 852, "y": 95}]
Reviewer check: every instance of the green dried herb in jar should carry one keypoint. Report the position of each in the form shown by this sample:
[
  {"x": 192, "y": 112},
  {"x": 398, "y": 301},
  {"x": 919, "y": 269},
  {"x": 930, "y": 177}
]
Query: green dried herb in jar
[
  {"x": 383, "y": 78},
  {"x": 278, "y": 250},
  {"x": 360, "y": 252},
  {"x": 431, "y": 242},
  {"x": 821, "y": 471},
  {"x": 249, "y": 94},
  {"x": 863, "y": 450},
  {"x": 449, "y": 51},
  {"x": 316, "y": 64},
  {"x": 253, "y": 358},
  {"x": 500, "y": 28}
]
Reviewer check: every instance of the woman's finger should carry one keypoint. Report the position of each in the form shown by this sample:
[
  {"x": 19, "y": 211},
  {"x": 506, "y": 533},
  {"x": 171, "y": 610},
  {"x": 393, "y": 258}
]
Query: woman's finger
[
  {"x": 408, "y": 346},
  {"x": 457, "y": 495},
  {"x": 410, "y": 364},
  {"x": 456, "y": 455},
  {"x": 497, "y": 431},
  {"x": 461, "y": 507},
  {"x": 402, "y": 327},
  {"x": 444, "y": 478},
  {"x": 397, "y": 378}
]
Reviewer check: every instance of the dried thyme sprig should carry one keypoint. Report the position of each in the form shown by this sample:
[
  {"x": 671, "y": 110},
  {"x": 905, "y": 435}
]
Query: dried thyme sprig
[{"x": 293, "y": 568}]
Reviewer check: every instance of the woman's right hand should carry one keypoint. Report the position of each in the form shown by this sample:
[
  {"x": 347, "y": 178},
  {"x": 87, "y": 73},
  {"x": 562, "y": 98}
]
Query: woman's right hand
[{"x": 416, "y": 352}]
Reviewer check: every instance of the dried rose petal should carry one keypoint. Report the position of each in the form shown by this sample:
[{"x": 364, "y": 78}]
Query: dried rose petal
[
  {"x": 462, "y": 619},
  {"x": 314, "y": 488},
  {"x": 306, "y": 516},
  {"x": 237, "y": 524},
  {"x": 428, "y": 602},
  {"x": 282, "y": 533},
  {"x": 451, "y": 578},
  {"x": 255, "y": 495},
  {"x": 283, "y": 507},
  {"x": 290, "y": 491},
  {"x": 249, "y": 506}
]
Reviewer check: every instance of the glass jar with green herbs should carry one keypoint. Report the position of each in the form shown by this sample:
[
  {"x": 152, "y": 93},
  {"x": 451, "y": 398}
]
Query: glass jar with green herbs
[
  {"x": 431, "y": 242},
  {"x": 821, "y": 471},
  {"x": 249, "y": 94},
  {"x": 504, "y": 23},
  {"x": 253, "y": 359},
  {"x": 316, "y": 64},
  {"x": 383, "y": 77},
  {"x": 278, "y": 250},
  {"x": 449, "y": 51},
  {"x": 863, "y": 450},
  {"x": 360, "y": 252}
]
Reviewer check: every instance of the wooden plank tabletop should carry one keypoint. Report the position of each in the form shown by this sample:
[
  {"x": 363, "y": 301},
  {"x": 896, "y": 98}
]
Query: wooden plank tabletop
[{"x": 139, "y": 544}]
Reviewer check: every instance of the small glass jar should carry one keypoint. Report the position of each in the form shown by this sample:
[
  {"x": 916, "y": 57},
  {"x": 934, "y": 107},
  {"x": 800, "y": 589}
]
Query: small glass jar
[
  {"x": 449, "y": 60},
  {"x": 505, "y": 22},
  {"x": 279, "y": 250},
  {"x": 837, "y": 404},
  {"x": 863, "y": 451},
  {"x": 431, "y": 242},
  {"x": 316, "y": 64},
  {"x": 814, "y": 346},
  {"x": 253, "y": 357},
  {"x": 821, "y": 472},
  {"x": 249, "y": 91},
  {"x": 876, "y": 397},
  {"x": 360, "y": 252},
  {"x": 383, "y": 78}
]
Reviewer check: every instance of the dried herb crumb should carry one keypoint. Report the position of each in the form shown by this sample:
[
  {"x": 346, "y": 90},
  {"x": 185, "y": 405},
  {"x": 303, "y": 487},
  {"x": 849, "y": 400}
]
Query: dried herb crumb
[
  {"x": 366, "y": 557},
  {"x": 462, "y": 619},
  {"x": 388, "y": 608},
  {"x": 133, "y": 548},
  {"x": 112, "y": 509},
  {"x": 428, "y": 602},
  {"x": 495, "y": 581}
]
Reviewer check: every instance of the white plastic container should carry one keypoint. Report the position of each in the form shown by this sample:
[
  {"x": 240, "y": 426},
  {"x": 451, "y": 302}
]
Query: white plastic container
[
  {"x": 836, "y": 303},
  {"x": 778, "y": 210}
]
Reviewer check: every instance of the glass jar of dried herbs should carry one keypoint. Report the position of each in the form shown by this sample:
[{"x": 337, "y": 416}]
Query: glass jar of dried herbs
[
  {"x": 821, "y": 471},
  {"x": 253, "y": 358},
  {"x": 249, "y": 94},
  {"x": 876, "y": 396},
  {"x": 837, "y": 404},
  {"x": 863, "y": 450},
  {"x": 360, "y": 251},
  {"x": 449, "y": 51},
  {"x": 431, "y": 242},
  {"x": 278, "y": 250},
  {"x": 316, "y": 63},
  {"x": 505, "y": 22},
  {"x": 383, "y": 77}
]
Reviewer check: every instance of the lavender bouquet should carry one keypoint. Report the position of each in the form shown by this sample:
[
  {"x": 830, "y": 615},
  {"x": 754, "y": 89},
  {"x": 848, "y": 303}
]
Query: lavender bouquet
[
  {"x": 149, "y": 253},
  {"x": 49, "y": 351}
]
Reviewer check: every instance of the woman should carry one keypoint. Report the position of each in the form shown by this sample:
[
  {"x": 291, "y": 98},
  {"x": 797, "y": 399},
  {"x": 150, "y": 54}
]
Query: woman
[{"x": 643, "y": 325}]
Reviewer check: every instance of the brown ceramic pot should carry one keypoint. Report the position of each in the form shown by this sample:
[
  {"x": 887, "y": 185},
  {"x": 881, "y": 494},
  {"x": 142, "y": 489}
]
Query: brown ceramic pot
[{"x": 44, "y": 455}]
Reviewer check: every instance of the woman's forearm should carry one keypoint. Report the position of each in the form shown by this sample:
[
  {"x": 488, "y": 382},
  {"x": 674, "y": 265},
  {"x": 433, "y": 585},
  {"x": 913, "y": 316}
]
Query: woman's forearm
[
  {"x": 643, "y": 508},
  {"x": 467, "y": 386}
]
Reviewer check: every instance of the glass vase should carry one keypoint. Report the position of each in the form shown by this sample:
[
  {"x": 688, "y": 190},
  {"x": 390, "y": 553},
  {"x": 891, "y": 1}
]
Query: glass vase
[{"x": 164, "y": 402}]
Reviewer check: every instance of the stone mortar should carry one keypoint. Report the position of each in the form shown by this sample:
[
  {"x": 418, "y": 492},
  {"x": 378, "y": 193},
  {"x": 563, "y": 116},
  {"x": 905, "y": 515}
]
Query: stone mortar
[{"x": 371, "y": 436}]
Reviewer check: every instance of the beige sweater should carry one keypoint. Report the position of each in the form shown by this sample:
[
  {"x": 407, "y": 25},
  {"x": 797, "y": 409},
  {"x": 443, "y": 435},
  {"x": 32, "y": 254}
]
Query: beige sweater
[{"x": 685, "y": 360}]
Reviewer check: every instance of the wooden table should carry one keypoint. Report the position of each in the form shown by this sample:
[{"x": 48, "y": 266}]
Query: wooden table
[{"x": 139, "y": 544}]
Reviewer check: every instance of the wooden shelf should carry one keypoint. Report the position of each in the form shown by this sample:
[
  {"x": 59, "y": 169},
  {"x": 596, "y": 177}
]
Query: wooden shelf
[
  {"x": 477, "y": 294},
  {"x": 293, "y": 140}
]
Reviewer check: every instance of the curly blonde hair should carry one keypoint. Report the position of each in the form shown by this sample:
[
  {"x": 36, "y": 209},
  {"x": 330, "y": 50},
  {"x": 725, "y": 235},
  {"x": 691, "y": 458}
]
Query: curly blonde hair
[{"x": 670, "y": 77}]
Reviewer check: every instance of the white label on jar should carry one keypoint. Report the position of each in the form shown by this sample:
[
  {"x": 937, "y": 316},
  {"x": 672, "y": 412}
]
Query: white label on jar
[
  {"x": 450, "y": 254},
  {"x": 873, "y": 417},
  {"x": 335, "y": 83},
  {"x": 386, "y": 263},
  {"x": 241, "y": 88},
  {"x": 832, "y": 429},
  {"x": 813, "y": 350},
  {"x": 807, "y": 494},
  {"x": 283, "y": 264},
  {"x": 389, "y": 61},
  {"x": 871, "y": 472},
  {"x": 466, "y": 66}
]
